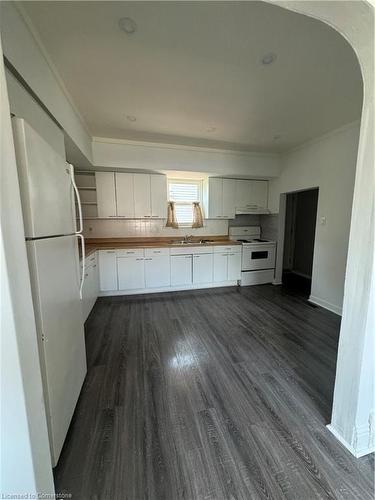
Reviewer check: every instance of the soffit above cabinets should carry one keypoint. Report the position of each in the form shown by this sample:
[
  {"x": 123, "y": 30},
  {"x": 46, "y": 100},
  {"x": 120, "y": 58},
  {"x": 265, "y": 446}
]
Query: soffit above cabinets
[{"x": 192, "y": 72}]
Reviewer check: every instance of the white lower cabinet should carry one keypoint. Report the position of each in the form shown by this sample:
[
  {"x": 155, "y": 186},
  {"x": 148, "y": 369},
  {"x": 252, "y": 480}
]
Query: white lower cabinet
[
  {"x": 90, "y": 290},
  {"x": 107, "y": 270},
  {"x": 181, "y": 270},
  {"x": 141, "y": 269},
  {"x": 220, "y": 267},
  {"x": 203, "y": 268},
  {"x": 234, "y": 266},
  {"x": 131, "y": 273},
  {"x": 157, "y": 271},
  {"x": 227, "y": 263}
]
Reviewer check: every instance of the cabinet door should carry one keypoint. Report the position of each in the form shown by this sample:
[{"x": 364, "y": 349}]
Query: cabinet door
[
  {"x": 107, "y": 270},
  {"x": 259, "y": 193},
  {"x": 125, "y": 195},
  {"x": 203, "y": 268},
  {"x": 243, "y": 193},
  {"x": 105, "y": 194},
  {"x": 142, "y": 195},
  {"x": 157, "y": 271},
  {"x": 131, "y": 273},
  {"x": 181, "y": 270},
  {"x": 215, "y": 198},
  {"x": 159, "y": 197},
  {"x": 234, "y": 266},
  {"x": 229, "y": 198},
  {"x": 220, "y": 267}
]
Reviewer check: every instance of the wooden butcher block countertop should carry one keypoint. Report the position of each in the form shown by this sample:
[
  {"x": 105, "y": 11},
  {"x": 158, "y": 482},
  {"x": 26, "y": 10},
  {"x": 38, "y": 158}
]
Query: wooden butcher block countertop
[{"x": 94, "y": 244}]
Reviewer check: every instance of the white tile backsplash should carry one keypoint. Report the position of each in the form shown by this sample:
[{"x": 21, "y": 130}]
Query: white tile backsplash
[{"x": 104, "y": 228}]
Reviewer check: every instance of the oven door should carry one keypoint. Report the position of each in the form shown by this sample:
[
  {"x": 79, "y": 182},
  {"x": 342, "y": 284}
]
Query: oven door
[{"x": 258, "y": 257}]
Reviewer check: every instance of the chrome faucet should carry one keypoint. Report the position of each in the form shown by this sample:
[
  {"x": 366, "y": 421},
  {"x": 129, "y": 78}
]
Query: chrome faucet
[{"x": 188, "y": 238}]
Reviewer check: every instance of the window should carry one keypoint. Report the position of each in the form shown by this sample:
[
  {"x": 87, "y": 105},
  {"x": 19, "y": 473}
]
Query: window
[{"x": 184, "y": 193}]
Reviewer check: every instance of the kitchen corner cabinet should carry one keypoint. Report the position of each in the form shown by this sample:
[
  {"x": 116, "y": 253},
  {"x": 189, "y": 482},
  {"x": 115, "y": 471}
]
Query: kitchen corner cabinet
[
  {"x": 90, "y": 290},
  {"x": 107, "y": 270},
  {"x": 106, "y": 194}
]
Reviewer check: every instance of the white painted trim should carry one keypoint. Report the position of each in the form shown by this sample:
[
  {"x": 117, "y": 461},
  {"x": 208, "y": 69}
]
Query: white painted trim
[
  {"x": 168, "y": 289},
  {"x": 277, "y": 283},
  {"x": 325, "y": 304},
  {"x": 321, "y": 138},
  {"x": 358, "y": 453},
  {"x": 183, "y": 147}
]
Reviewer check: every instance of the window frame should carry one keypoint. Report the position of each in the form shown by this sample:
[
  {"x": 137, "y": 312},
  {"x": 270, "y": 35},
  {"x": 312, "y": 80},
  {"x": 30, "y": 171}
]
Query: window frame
[{"x": 198, "y": 183}]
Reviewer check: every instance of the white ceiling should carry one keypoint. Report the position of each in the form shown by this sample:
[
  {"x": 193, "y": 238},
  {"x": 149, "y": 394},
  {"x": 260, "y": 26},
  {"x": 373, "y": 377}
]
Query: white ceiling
[{"x": 191, "y": 66}]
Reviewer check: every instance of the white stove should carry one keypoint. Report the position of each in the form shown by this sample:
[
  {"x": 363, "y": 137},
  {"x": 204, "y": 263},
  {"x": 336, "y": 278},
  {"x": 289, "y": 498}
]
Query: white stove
[{"x": 258, "y": 255}]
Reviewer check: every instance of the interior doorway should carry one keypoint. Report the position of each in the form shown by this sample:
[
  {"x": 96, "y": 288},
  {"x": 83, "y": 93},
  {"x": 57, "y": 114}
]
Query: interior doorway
[{"x": 299, "y": 239}]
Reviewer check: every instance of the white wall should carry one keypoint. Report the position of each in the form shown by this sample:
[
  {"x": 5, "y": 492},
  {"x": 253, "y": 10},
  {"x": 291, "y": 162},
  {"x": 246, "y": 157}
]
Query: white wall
[
  {"x": 25, "y": 455},
  {"x": 23, "y": 50},
  {"x": 328, "y": 163},
  {"x": 24, "y": 106},
  {"x": 114, "y": 153},
  {"x": 149, "y": 228}
]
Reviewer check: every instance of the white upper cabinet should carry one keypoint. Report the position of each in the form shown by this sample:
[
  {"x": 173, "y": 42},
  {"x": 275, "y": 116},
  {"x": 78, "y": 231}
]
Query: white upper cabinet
[
  {"x": 159, "y": 196},
  {"x": 131, "y": 195},
  {"x": 259, "y": 193},
  {"x": 250, "y": 193},
  {"x": 142, "y": 195},
  {"x": 125, "y": 195},
  {"x": 229, "y": 198},
  {"x": 106, "y": 194},
  {"x": 221, "y": 198}
]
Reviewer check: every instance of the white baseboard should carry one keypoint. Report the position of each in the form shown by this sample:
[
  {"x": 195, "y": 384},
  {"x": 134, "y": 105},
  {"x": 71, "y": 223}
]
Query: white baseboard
[
  {"x": 167, "y": 289},
  {"x": 326, "y": 305},
  {"x": 362, "y": 439},
  {"x": 277, "y": 283}
]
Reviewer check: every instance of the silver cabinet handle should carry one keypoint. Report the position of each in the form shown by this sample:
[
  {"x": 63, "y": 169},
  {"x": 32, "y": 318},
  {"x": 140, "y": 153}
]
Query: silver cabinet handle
[
  {"x": 112, "y": 215},
  {"x": 149, "y": 259},
  {"x": 128, "y": 253},
  {"x": 188, "y": 257},
  {"x": 110, "y": 251},
  {"x": 157, "y": 251},
  {"x": 86, "y": 275},
  {"x": 140, "y": 259}
]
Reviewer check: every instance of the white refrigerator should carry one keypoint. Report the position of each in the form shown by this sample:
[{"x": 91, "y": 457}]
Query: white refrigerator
[{"x": 48, "y": 200}]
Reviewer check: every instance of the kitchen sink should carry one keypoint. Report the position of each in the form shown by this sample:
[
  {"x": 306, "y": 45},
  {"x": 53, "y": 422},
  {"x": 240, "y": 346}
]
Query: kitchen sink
[{"x": 192, "y": 243}]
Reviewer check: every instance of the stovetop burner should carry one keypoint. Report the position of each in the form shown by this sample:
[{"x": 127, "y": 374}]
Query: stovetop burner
[{"x": 254, "y": 240}]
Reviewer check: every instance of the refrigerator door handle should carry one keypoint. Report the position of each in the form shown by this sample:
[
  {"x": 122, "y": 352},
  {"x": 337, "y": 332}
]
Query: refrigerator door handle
[
  {"x": 83, "y": 263},
  {"x": 71, "y": 169}
]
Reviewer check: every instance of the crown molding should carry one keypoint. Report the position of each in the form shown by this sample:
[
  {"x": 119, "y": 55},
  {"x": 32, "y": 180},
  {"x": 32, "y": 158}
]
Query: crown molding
[{"x": 183, "y": 147}]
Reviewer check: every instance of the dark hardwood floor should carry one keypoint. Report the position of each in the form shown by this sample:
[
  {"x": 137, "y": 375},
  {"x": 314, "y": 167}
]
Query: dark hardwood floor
[{"x": 210, "y": 394}]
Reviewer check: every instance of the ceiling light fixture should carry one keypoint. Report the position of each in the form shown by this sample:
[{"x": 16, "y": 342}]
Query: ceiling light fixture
[
  {"x": 131, "y": 118},
  {"x": 211, "y": 129},
  {"x": 128, "y": 25},
  {"x": 268, "y": 59}
]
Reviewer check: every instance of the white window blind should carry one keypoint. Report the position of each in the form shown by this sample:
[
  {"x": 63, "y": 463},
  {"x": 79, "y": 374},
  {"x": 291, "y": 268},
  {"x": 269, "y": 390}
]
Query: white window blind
[{"x": 184, "y": 193}]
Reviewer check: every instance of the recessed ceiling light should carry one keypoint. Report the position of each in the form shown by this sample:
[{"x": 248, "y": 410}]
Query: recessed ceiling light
[
  {"x": 268, "y": 58},
  {"x": 211, "y": 129},
  {"x": 131, "y": 118},
  {"x": 128, "y": 25},
  {"x": 276, "y": 137}
]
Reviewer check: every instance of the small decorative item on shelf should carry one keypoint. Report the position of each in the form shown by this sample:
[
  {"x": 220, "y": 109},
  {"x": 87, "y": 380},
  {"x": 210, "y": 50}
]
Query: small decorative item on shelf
[
  {"x": 171, "y": 218},
  {"x": 197, "y": 215}
]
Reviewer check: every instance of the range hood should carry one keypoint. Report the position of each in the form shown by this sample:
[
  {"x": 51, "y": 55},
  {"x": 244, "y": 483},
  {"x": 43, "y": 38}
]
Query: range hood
[{"x": 251, "y": 209}]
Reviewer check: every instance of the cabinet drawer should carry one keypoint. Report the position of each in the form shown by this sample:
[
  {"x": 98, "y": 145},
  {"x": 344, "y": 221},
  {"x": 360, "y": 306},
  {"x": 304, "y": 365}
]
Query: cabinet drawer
[
  {"x": 229, "y": 249},
  {"x": 130, "y": 252},
  {"x": 151, "y": 252}
]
